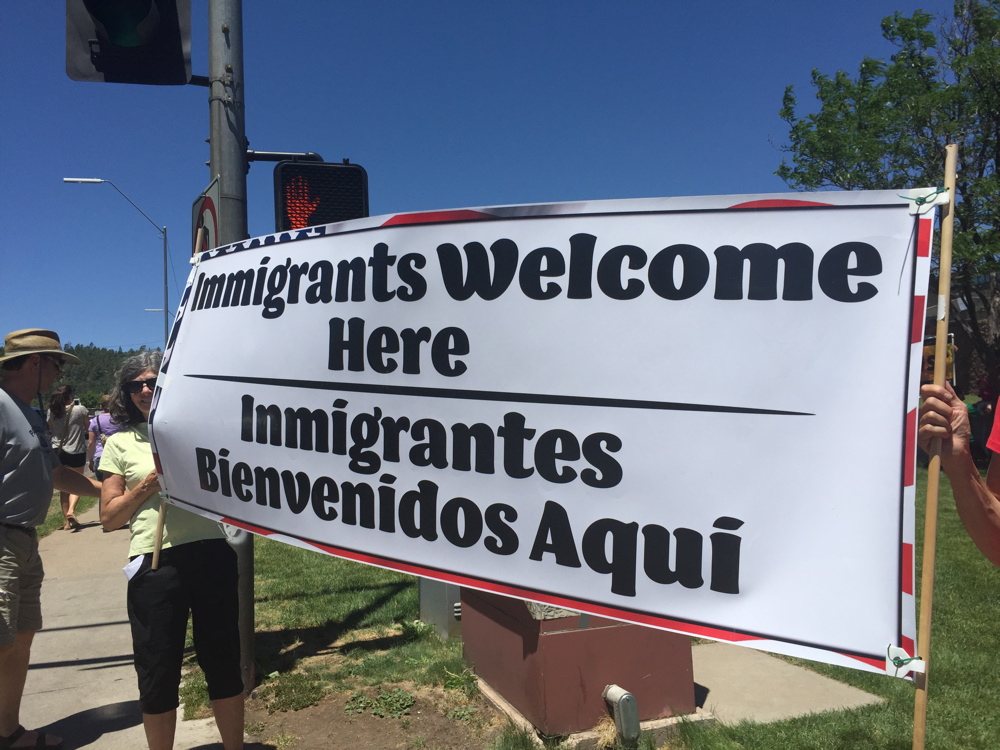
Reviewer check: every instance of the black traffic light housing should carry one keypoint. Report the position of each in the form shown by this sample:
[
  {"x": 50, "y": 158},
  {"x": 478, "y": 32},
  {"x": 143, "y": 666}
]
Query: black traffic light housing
[
  {"x": 307, "y": 193},
  {"x": 129, "y": 41}
]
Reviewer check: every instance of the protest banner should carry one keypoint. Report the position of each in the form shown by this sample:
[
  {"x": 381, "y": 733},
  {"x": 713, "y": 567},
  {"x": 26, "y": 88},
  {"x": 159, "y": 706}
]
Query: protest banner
[{"x": 690, "y": 413}]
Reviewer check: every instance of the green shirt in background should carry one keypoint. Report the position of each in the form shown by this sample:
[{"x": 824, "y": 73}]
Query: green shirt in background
[{"x": 129, "y": 454}]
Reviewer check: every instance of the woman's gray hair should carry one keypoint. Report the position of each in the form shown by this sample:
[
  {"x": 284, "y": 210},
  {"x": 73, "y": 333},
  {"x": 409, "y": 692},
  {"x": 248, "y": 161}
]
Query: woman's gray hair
[{"x": 121, "y": 408}]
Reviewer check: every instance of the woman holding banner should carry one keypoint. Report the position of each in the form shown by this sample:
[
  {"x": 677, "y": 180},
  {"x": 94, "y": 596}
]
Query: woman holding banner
[
  {"x": 197, "y": 573},
  {"x": 944, "y": 415}
]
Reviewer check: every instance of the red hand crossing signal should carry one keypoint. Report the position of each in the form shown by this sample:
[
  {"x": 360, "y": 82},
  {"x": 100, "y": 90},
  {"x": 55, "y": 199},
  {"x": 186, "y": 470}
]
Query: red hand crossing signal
[
  {"x": 310, "y": 193},
  {"x": 299, "y": 206}
]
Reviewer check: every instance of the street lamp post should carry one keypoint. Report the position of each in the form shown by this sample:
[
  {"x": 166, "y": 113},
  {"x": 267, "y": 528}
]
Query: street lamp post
[{"x": 161, "y": 230}]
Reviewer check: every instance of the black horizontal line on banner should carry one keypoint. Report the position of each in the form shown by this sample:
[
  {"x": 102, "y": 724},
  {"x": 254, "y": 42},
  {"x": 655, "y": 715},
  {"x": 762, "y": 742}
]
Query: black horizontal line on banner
[{"x": 525, "y": 398}]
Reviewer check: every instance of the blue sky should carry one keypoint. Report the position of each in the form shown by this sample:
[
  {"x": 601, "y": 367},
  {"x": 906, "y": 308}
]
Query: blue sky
[{"x": 446, "y": 104}]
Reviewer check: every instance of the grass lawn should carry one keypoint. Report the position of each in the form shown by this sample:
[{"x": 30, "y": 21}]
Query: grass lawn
[
  {"x": 964, "y": 683},
  {"x": 306, "y": 601},
  {"x": 54, "y": 518}
]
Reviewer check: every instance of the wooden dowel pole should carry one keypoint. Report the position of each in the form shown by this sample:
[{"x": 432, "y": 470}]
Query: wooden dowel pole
[
  {"x": 934, "y": 468},
  {"x": 198, "y": 239},
  {"x": 158, "y": 543}
]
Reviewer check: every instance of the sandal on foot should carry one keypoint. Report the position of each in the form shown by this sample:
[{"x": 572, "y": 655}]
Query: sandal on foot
[
  {"x": 72, "y": 523},
  {"x": 7, "y": 743}
]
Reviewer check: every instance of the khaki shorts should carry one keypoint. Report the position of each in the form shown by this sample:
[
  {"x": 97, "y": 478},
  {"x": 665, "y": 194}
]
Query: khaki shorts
[{"x": 20, "y": 583}]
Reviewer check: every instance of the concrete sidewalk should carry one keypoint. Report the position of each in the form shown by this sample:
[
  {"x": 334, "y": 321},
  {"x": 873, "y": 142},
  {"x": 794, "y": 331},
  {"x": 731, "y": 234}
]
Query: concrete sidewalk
[
  {"x": 82, "y": 687},
  {"x": 736, "y": 683}
]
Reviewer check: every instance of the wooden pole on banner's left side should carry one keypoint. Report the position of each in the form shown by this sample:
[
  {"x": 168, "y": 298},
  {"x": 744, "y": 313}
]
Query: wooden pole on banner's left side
[
  {"x": 198, "y": 239},
  {"x": 934, "y": 468},
  {"x": 158, "y": 541}
]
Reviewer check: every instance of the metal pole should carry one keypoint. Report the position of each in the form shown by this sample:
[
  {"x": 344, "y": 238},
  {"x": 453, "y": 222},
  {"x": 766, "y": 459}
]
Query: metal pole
[
  {"x": 166, "y": 312},
  {"x": 228, "y": 143},
  {"x": 227, "y": 159}
]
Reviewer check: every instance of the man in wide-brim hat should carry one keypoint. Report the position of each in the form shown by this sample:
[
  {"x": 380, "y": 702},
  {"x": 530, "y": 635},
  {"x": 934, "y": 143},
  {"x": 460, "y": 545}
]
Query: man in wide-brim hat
[{"x": 29, "y": 470}]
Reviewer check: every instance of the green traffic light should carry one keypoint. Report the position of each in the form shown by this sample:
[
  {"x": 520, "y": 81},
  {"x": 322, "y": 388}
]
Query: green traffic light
[
  {"x": 129, "y": 41},
  {"x": 127, "y": 23}
]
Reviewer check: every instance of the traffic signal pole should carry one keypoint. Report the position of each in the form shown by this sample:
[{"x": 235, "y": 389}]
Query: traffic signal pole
[
  {"x": 228, "y": 140},
  {"x": 228, "y": 160}
]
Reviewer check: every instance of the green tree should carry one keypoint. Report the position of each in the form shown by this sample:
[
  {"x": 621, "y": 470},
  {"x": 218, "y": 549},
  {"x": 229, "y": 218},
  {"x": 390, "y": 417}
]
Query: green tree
[
  {"x": 886, "y": 129},
  {"x": 96, "y": 373}
]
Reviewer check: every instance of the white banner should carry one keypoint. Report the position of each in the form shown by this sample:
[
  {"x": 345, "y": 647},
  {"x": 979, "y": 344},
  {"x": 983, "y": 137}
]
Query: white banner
[{"x": 690, "y": 413}]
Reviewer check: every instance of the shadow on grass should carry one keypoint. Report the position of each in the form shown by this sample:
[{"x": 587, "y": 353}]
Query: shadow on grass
[
  {"x": 281, "y": 650},
  {"x": 332, "y": 591},
  {"x": 376, "y": 644}
]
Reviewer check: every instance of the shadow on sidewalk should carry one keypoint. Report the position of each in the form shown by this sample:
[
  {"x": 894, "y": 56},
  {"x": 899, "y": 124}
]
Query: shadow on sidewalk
[
  {"x": 86, "y": 727},
  {"x": 97, "y": 662}
]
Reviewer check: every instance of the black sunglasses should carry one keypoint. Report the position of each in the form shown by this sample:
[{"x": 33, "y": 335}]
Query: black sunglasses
[
  {"x": 54, "y": 360},
  {"x": 135, "y": 386}
]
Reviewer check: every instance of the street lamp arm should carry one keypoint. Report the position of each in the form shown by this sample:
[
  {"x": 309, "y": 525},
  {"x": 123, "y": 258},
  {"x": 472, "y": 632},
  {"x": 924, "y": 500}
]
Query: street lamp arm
[
  {"x": 163, "y": 233},
  {"x": 159, "y": 229},
  {"x": 96, "y": 180}
]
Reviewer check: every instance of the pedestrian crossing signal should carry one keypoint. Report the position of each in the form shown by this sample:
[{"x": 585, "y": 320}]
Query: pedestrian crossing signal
[{"x": 308, "y": 193}]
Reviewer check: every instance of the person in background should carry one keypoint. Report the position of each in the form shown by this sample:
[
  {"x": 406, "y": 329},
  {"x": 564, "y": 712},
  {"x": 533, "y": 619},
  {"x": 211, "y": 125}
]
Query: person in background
[
  {"x": 68, "y": 424},
  {"x": 101, "y": 427},
  {"x": 29, "y": 469},
  {"x": 197, "y": 573},
  {"x": 944, "y": 415}
]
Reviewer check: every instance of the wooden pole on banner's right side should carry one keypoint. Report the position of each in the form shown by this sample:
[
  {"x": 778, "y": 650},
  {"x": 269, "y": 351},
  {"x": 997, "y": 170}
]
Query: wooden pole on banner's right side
[{"x": 934, "y": 468}]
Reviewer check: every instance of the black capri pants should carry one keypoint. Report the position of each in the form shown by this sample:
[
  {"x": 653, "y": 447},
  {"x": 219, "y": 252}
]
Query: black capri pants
[{"x": 198, "y": 578}]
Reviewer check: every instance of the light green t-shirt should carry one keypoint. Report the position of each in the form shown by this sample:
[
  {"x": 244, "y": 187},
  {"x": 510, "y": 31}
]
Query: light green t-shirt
[{"x": 129, "y": 454}]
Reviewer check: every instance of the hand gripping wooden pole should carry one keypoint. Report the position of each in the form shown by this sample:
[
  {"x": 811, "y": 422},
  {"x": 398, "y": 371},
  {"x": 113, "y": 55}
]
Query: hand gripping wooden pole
[{"x": 934, "y": 468}]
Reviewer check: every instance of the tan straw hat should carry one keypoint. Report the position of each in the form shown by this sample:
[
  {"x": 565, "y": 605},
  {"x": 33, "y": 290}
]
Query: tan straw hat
[{"x": 34, "y": 341}]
